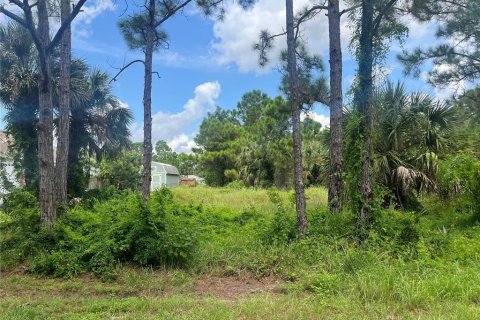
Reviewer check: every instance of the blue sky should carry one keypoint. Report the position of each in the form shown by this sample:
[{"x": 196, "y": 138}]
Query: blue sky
[
  {"x": 210, "y": 63},
  {"x": 191, "y": 63}
]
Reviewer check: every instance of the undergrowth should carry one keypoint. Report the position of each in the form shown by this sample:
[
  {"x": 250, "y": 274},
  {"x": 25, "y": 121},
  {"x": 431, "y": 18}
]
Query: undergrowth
[{"x": 410, "y": 258}]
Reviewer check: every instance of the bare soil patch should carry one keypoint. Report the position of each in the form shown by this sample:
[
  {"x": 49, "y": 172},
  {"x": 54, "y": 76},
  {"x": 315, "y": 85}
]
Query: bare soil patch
[{"x": 231, "y": 288}]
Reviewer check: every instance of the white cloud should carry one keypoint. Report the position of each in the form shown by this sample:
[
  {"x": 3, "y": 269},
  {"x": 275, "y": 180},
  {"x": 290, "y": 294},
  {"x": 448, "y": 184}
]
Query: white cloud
[
  {"x": 182, "y": 143},
  {"x": 171, "y": 126},
  {"x": 90, "y": 11},
  {"x": 446, "y": 91},
  {"x": 418, "y": 30},
  {"x": 239, "y": 30},
  {"x": 324, "y": 120},
  {"x": 81, "y": 24},
  {"x": 93, "y": 8}
]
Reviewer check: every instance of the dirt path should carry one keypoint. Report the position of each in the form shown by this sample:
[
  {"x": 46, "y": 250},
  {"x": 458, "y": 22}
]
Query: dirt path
[
  {"x": 20, "y": 284},
  {"x": 231, "y": 288}
]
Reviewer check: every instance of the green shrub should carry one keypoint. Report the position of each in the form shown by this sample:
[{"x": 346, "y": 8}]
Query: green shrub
[
  {"x": 103, "y": 263},
  {"x": 91, "y": 197},
  {"x": 235, "y": 184},
  {"x": 122, "y": 229},
  {"x": 250, "y": 214},
  {"x": 336, "y": 226},
  {"x": 356, "y": 259},
  {"x": 18, "y": 201},
  {"x": 395, "y": 232},
  {"x": 282, "y": 228},
  {"x": 460, "y": 176},
  {"x": 58, "y": 264},
  {"x": 323, "y": 283},
  {"x": 123, "y": 172},
  {"x": 20, "y": 232},
  {"x": 402, "y": 248}
]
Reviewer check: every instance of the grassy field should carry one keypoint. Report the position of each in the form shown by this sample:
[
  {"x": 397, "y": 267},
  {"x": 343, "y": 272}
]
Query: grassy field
[
  {"x": 414, "y": 266},
  {"x": 241, "y": 199}
]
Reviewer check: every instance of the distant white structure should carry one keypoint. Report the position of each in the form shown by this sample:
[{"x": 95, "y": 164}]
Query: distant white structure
[
  {"x": 164, "y": 175},
  {"x": 4, "y": 141},
  {"x": 6, "y": 161},
  {"x": 94, "y": 182}
]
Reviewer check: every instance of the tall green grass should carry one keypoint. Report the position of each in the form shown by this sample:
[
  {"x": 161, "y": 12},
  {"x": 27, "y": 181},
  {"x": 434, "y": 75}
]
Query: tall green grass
[{"x": 243, "y": 198}]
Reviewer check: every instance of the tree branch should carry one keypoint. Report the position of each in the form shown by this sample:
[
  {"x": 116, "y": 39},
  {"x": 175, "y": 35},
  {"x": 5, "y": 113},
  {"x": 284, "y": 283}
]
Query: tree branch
[
  {"x": 14, "y": 17},
  {"x": 124, "y": 68},
  {"x": 58, "y": 36},
  {"x": 172, "y": 12},
  {"x": 17, "y": 3},
  {"x": 350, "y": 9},
  {"x": 378, "y": 19},
  {"x": 27, "y": 22},
  {"x": 304, "y": 17},
  {"x": 467, "y": 56},
  {"x": 307, "y": 13}
]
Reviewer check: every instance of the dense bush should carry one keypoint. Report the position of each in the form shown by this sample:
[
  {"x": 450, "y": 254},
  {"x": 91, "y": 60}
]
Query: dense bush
[
  {"x": 460, "y": 177},
  {"x": 283, "y": 226},
  {"x": 123, "y": 172},
  {"x": 93, "y": 196},
  {"x": 395, "y": 232},
  {"x": 121, "y": 230},
  {"x": 20, "y": 233}
]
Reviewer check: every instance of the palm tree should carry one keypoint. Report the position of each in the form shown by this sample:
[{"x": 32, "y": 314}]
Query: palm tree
[
  {"x": 19, "y": 96},
  {"x": 412, "y": 131},
  {"x": 99, "y": 124},
  {"x": 99, "y": 128}
]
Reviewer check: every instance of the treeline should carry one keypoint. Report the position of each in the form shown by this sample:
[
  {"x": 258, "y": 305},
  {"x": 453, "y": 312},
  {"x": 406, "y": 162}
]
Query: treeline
[
  {"x": 413, "y": 137},
  {"x": 252, "y": 144},
  {"x": 418, "y": 144},
  {"x": 249, "y": 146}
]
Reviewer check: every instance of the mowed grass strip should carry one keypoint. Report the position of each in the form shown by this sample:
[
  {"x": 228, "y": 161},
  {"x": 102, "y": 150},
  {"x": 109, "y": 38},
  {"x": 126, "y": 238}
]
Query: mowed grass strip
[
  {"x": 190, "y": 306},
  {"x": 147, "y": 294}
]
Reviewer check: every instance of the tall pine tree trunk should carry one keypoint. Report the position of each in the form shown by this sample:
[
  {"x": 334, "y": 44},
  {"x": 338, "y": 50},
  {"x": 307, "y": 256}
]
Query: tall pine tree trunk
[
  {"x": 44, "y": 46},
  {"x": 61, "y": 165},
  {"x": 335, "y": 184},
  {"x": 48, "y": 213},
  {"x": 75, "y": 184},
  {"x": 296, "y": 110},
  {"x": 29, "y": 161},
  {"x": 147, "y": 104},
  {"x": 365, "y": 94}
]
